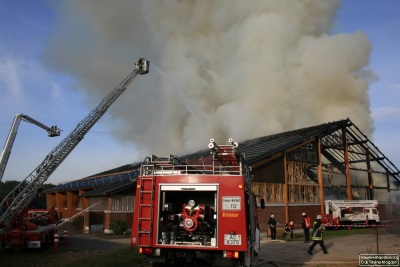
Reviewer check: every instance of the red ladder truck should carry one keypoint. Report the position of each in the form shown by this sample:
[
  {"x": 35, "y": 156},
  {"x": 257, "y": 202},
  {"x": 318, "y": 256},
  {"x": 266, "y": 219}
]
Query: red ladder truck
[
  {"x": 198, "y": 209},
  {"x": 19, "y": 232}
]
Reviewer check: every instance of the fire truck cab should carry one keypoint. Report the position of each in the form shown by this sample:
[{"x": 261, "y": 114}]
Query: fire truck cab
[{"x": 198, "y": 209}]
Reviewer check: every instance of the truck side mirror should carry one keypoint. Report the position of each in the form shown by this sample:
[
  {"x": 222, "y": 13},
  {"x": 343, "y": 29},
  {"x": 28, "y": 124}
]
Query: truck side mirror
[{"x": 262, "y": 203}]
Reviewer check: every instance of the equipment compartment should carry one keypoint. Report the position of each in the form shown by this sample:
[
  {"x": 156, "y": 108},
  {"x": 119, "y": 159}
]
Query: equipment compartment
[{"x": 187, "y": 215}]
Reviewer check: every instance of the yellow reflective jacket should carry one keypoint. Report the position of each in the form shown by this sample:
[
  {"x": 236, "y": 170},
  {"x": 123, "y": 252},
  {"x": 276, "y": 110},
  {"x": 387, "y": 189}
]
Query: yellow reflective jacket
[{"x": 318, "y": 229}]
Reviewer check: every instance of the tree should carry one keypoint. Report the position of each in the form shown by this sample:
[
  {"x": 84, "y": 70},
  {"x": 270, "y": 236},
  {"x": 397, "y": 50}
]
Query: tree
[{"x": 39, "y": 201}]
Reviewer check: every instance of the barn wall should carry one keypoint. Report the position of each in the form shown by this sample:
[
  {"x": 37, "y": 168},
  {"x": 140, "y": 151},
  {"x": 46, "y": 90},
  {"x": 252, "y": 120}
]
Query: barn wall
[
  {"x": 96, "y": 218},
  {"x": 127, "y": 218},
  {"x": 389, "y": 211},
  {"x": 62, "y": 208},
  {"x": 72, "y": 203},
  {"x": 272, "y": 172},
  {"x": 295, "y": 211},
  {"x": 51, "y": 200}
]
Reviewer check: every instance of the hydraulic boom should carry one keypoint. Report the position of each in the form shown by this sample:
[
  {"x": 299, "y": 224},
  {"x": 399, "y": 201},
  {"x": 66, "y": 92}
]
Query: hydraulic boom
[
  {"x": 5, "y": 155},
  {"x": 17, "y": 200}
]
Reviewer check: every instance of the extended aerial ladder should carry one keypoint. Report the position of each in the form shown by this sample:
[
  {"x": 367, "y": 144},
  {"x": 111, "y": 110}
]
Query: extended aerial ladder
[
  {"x": 5, "y": 155},
  {"x": 18, "y": 199}
]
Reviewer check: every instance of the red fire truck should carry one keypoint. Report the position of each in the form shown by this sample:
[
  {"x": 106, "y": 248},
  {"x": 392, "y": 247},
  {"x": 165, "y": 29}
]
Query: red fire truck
[
  {"x": 202, "y": 208},
  {"x": 31, "y": 229}
]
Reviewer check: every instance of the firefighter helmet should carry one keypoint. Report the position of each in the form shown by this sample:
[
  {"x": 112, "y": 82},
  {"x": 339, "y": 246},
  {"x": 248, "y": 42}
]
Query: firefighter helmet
[
  {"x": 291, "y": 222},
  {"x": 272, "y": 216},
  {"x": 303, "y": 214},
  {"x": 318, "y": 217}
]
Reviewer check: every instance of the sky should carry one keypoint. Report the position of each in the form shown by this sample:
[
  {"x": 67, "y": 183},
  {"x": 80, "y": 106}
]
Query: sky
[{"x": 269, "y": 67}]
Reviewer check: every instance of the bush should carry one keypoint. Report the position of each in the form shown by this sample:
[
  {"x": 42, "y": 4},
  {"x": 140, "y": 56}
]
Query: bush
[{"x": 118, "y": 227}]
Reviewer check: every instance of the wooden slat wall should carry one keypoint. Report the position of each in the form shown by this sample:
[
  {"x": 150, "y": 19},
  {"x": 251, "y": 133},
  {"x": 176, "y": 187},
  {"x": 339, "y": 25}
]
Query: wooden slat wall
[{"x": 299, "y": 190}]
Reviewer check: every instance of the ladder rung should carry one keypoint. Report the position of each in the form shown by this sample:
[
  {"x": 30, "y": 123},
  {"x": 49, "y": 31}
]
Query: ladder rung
[
  {"x": 144, "y": 218},
  {"x": 144, "y": 232}
]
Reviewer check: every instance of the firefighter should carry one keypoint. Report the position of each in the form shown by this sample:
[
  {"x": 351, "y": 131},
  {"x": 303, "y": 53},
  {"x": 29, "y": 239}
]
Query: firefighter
[
  {"x": 289, "y": 227},
  {"x": 55, "y": 213},
  {"x": 317, "y": 237},
  {"x": 272, "y": 226},
  {"x": 306, "y": 225}
]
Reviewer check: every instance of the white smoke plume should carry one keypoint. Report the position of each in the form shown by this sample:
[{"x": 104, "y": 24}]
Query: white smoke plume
[{"x": 239, "y": 69}]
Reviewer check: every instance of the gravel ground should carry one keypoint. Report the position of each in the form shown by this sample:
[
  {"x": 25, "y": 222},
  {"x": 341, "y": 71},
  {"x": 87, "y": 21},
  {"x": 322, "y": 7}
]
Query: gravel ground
[{"x": 343, "y": 251}]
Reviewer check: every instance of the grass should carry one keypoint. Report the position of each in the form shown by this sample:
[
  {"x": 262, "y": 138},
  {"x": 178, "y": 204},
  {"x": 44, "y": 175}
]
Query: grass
[
  {"x": 72, "y": 257},
  {"x": 67, "y": 257},
  {"x": 119, "y": 257},
  {"x": 329, "y": 234},
  {"x": 345, "y": 232}
]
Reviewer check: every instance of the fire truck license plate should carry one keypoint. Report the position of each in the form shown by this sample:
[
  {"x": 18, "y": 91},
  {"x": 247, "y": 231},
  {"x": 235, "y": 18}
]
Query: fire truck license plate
[{"x": 233, "y": 240}]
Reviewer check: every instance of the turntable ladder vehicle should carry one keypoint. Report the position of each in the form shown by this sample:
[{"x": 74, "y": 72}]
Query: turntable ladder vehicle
[
  {"x": 14, "y": 205},
  {"x": 5, "y": 155}
]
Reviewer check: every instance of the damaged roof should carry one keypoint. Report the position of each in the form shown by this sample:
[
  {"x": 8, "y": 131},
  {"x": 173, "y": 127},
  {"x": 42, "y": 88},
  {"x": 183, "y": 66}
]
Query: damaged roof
[{"x": 360, "y": 151}]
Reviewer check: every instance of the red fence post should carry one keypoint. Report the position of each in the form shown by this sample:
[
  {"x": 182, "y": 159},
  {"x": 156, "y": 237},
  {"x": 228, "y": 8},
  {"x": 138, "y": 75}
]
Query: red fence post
[
  {"x": 56, "y": 241},
  {"x": 65, "y": 236}
]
